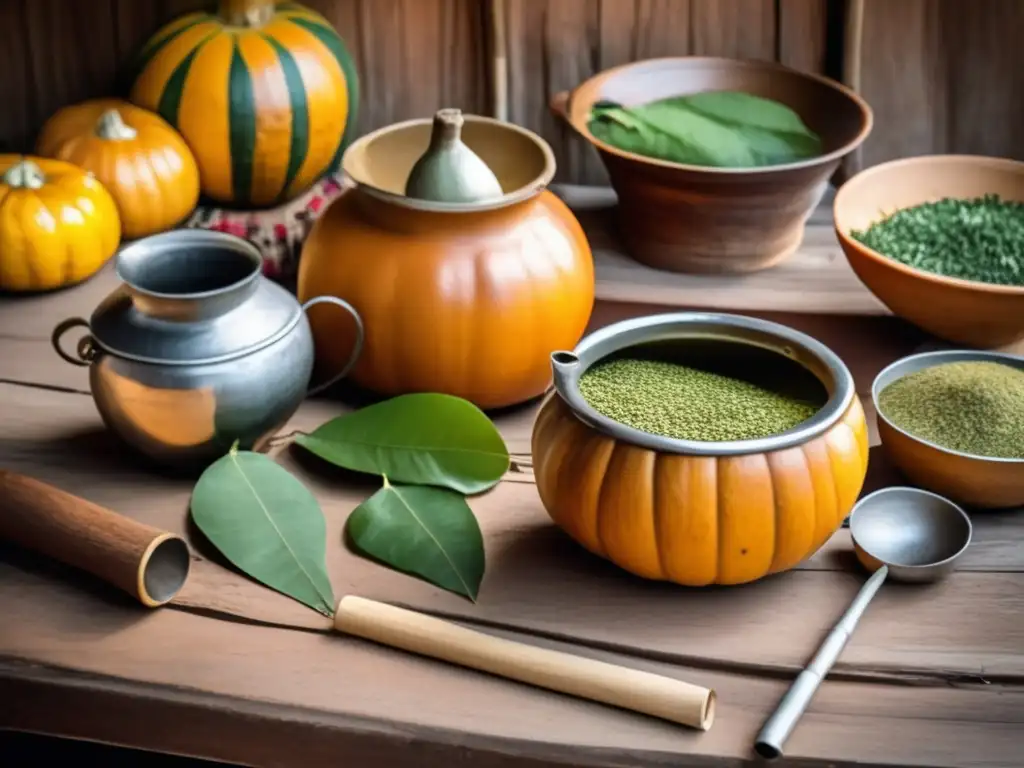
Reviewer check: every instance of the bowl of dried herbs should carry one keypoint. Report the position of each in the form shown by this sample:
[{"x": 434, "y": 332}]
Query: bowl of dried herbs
[
  {"x": 939, "y": 240},
  {"x": 953, "y": 422},
  {"x": 717, "y": 162}
]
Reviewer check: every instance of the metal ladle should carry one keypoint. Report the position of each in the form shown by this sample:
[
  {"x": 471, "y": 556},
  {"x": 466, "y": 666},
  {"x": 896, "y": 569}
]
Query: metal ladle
[{"x": 907, "y": 533}]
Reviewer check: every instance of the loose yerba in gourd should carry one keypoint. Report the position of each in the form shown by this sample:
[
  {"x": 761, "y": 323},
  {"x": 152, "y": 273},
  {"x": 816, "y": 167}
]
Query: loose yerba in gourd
[
  {"x": 974, "y": 407},
  {"x": 666, "y": 398},
  {"x": 981, "y": 239}
]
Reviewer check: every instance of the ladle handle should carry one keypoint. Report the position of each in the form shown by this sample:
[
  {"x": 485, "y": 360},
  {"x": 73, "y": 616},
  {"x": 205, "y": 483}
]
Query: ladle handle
[{"x": 778, "y": 727}]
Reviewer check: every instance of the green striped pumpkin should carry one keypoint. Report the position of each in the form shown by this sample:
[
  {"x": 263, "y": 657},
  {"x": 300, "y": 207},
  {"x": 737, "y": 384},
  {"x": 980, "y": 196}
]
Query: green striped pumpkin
[{"x": 264, "y": 93}]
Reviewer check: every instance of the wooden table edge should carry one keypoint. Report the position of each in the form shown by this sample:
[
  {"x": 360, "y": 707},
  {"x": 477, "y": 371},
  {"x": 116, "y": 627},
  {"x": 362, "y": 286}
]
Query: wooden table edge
[{"x": 212, "y": 726}]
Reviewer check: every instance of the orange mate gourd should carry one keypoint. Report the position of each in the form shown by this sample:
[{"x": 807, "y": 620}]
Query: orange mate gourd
[
  {"x": 466, "y": 299},
  {"x": 697, "y": 520}
]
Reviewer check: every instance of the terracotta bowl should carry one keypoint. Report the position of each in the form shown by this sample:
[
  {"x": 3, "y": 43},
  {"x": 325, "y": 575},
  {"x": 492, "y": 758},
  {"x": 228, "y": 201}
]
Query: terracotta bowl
[
  {"x": 978, "y": 481},
  {"x": 688, "y": 218},
  {"x": 960, "y": 311}
]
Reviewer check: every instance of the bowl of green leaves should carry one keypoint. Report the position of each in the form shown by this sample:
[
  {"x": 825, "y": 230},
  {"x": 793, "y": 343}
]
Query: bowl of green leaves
[
  {"x": 717, "y": 163},
  {"x": 939, "y": 239}
]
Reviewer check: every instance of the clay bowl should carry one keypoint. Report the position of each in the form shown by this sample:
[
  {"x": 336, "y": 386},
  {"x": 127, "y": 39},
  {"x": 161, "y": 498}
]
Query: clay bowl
[
  {"x": 960, "y": 311},
  {"x": 687, "y": 218},
  {"x": 978, "y": 481}
]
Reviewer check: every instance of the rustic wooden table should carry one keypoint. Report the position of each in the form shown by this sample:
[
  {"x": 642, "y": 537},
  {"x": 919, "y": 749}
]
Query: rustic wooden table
[{"x": 232, "y": 671}]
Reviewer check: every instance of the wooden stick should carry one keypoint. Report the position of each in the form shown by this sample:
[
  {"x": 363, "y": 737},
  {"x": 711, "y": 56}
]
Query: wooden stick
[
  {"x": 146, "y": 562},
  {"x": 631, "y": 689},
  {"x": 499, "y": 60},
  {"x": 853, "y": 48}
]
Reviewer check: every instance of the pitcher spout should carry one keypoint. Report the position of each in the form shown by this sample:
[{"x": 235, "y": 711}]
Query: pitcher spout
[{"x": 564, "y": 369}]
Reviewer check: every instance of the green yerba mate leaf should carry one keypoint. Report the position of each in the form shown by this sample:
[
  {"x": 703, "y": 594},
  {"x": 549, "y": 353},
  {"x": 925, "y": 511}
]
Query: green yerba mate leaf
[
  {"x": 421, "y": 439},
  {"x": 267, "y": 524},
  {"x": 726, "y": 129},
  {"x": 428, "y": 532}
]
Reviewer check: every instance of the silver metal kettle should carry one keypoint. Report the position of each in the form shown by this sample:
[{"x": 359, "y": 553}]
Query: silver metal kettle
[{"x": 196, "y": 349}]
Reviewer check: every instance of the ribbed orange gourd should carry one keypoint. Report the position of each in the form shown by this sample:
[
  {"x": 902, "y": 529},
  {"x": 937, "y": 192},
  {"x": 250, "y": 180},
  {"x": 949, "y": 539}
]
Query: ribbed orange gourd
[
  {"x": 58, "y": 224},
  {"x": 697, "y": 520},
  {"x": 141, "y": 160},
  {"x": 264, "y": 93},
  {"x": 465, "y": 299}
]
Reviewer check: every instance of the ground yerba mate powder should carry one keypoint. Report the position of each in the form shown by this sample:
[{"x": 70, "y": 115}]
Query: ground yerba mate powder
[
  {"x": 664, "y": 398},
  {"x": 980, "y": 239},
  {"x": 972, "y": 407}
]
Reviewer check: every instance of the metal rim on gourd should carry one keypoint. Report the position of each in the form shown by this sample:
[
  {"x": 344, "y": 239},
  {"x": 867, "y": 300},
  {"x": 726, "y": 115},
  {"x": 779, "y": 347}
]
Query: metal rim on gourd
[
  {"x": 830, "y": 370},
  {"x": 923, "y": 360}
]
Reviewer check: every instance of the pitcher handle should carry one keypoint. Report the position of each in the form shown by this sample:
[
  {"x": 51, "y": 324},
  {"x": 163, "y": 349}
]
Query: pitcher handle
[
  {"x": 86, "y": 348},
  {"x": 356, "y": 350}
]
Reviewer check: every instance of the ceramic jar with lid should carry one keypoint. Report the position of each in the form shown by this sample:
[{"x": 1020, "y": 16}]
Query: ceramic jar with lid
[
  {"x": 692, "y": 512},
  {"x": 467, "y": 298},
  {"x": 196, "y": 349}
]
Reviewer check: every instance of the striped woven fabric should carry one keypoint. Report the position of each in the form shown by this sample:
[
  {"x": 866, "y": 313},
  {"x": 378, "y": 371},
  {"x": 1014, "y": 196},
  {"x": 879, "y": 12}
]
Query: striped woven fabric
[{"x": 279, "y": 232}]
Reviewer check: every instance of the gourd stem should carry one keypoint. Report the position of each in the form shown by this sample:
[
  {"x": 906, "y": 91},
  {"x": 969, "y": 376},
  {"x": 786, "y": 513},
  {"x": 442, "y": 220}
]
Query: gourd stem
[
  {"x": 24, "y": 175},
  {"x": 246, "y": 13},
  {"x": 447, "y": 127},
  {"x": 113, "y": 127}
]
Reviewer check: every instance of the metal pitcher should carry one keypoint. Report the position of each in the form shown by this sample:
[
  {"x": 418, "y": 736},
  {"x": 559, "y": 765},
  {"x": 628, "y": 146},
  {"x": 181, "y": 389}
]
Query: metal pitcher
[{"x": 196, "y": 349}]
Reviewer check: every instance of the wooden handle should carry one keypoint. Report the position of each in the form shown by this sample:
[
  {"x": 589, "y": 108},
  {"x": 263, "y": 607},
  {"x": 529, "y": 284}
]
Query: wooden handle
[
  {"x": 146, "y": 562},
  {"x": 631, "y": 689}
]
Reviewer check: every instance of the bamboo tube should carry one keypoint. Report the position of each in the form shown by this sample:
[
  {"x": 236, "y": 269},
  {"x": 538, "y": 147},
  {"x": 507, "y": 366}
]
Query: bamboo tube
[
  {"x": 148, "y": 563},
  {"x": 585, "y": 678}
]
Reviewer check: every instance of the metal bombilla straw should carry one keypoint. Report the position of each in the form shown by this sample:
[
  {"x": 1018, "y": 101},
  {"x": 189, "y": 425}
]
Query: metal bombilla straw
[{"x": 778, "y": 727}]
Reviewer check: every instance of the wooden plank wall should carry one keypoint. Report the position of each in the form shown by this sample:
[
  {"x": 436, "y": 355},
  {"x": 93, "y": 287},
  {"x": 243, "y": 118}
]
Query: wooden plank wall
[
  {"x": 942, "y": 75},
  {"x": 552, "y": 46}
]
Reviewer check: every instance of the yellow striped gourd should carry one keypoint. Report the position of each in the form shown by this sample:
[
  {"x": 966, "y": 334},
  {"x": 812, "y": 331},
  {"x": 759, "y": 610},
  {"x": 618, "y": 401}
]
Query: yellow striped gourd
[{"x": 264, "y": 93}]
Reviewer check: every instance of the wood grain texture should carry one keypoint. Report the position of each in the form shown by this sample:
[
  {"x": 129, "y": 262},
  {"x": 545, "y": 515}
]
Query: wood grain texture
[
  {"x": 802, "y": 34},
  {"x": 554, "y": 46},
  {"x": 16, "y": 77},
  {"x": 413, "y": 56},
  {"x": 929, "y": 680},
  {"x": 596, "y": 610},
  {"x": 54, "y": 52},
  {"x": 943, "y": 76}
]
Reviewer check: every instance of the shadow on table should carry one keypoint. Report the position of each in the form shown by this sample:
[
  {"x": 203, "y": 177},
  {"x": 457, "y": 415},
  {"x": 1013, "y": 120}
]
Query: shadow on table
[
  {"x": 115, "y": 610},
  {"x": 29, "y": 750}
]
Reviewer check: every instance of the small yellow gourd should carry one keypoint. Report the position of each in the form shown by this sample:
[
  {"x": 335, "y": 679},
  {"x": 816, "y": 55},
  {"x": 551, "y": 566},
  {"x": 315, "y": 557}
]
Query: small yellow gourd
[
  {"x": 58, "y": 224},
  {"x": 141, "y": 160}
]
